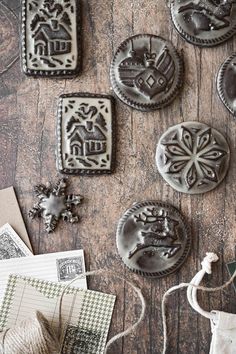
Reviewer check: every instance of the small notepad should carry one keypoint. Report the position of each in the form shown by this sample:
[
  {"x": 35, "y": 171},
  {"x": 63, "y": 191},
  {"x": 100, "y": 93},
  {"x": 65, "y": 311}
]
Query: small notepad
[
  {"x": 59, "y": 266},
  {"x": 86, "y": 314}
]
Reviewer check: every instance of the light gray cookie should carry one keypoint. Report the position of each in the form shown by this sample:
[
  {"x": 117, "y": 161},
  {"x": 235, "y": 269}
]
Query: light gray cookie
[
  {"x": 192, "y": 157},
  {"x": 51, "y": 37},
  {"x": 85, "y": 134}
]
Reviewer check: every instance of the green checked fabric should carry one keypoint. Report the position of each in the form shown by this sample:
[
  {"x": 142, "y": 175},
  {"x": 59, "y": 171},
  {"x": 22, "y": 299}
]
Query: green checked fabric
[
  {"x": 7, "y": 300},
  {"x": 88, "y": 335},
  {"x": 92, "y": 337}
]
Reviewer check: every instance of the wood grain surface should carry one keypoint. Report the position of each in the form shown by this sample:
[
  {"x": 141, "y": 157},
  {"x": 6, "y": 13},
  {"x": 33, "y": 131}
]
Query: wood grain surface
[{"x": 27, "y": 148}]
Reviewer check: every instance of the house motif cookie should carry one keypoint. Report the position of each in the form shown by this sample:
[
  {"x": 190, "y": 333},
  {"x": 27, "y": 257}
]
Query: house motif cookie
[
  {"x": 85, "y": 134},
  {"x": 51, "y": 37}
]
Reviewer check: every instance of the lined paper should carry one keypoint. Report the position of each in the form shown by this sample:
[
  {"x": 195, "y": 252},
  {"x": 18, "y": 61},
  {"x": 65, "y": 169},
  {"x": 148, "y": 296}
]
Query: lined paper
[
  {"x": 29, "y": 300},
  {"x": 86, "y": 315},
  {"x": 45, "y": 267}
]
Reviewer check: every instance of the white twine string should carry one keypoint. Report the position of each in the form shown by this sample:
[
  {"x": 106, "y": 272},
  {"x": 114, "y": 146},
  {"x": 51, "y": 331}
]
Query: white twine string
[
  {"x": 33, "y": 335},
  {"x": 192, "y": 291},
  {"x": 206, "y": 268},
  {"x": 103, "y": 272}
]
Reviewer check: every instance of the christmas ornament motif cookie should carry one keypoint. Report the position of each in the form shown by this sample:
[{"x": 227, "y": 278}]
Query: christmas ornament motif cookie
[
  {"x": 192, "y": 157},
  {"x": 51, "y": 38},
  {"x": 153, "y": 239},
  {"x": 54, "y": 204},
  {"x": 204, "y": 22},
  {"x": 86, "y": 134},
  {"x": 226, "y": 83},
  {"x": 146, "y": 72}
]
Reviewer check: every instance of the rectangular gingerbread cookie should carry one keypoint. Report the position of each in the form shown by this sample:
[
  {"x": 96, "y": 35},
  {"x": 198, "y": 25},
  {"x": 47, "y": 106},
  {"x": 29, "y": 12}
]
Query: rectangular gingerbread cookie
[
  {"x": 85, "y": 134},
  {"x": 51, "y": 38}
]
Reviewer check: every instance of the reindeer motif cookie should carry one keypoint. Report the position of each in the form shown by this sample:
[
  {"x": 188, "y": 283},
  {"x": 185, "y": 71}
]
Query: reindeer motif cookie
[
  {"x": 153, "y": 239},
  {"x": 146, "y": 72}
]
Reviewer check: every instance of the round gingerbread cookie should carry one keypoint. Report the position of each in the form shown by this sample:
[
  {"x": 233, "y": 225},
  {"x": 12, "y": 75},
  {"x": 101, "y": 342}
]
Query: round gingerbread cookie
[
  {"x": 146, "y": 72},
  {"x": 204, "y": 23},
  {"x": 192, "y": 157},
  {"x": 153, "y": 239}
]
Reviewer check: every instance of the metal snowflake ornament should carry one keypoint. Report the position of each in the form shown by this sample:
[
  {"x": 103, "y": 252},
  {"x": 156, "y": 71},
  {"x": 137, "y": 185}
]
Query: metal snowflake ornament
[
  {"x": 192, "y": 157},
  {"x": 54, "y": 204}
]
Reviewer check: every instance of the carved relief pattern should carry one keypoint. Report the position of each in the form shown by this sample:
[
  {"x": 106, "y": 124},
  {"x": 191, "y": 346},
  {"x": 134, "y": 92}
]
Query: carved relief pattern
[
  {"x": 86, "y": 125},
  {"x": 153, "y": 238},
  {"x": 226, "y": 83},
  {"x": 162, "y": 233},
  {"x": 51, "y": 35},
  {"x": 54, "y": 204},
  {"x": 207, "y": 15},
  {"x": 146, "y": 72},
  {"x": 150, "y": 73},
  {"x": 193, "y": 156}
]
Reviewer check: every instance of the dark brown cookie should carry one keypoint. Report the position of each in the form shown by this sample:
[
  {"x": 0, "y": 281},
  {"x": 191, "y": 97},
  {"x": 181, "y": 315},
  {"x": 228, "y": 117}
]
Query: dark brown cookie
[
  {"x": 226, "y": 83},
  {"x": 204, "y": 22},
  {"x": 153, "y": 239},
  {"x": 146, "y": 72},
  {"x": 192, "y": 157},
  {"x": 86, "y": 134},
  {"x": 51, "y": 44}
]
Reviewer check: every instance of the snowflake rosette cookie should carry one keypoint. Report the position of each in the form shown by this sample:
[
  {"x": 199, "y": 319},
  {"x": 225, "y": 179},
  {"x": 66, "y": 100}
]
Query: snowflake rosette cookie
[
  {"x": 54, "y": 204},
  {"x": 193, "y": 157}
]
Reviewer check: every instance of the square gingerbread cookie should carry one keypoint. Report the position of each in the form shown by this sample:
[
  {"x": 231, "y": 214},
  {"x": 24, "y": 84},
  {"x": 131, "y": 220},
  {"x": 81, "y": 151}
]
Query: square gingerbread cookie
[
  {"x": 51, "y": 37},
  {"x": 85, "y": 134}
]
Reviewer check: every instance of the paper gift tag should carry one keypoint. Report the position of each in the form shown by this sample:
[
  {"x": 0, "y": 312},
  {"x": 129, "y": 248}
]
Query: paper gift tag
[
  {"x": 10, "y": 213},
  {"x": 59, "y": 266},
  {"x": 11, "y": 245}
]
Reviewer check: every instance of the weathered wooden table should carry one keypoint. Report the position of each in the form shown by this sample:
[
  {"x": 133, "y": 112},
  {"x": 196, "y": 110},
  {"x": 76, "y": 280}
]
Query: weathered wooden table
[{"x": 27, "y": 133}]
